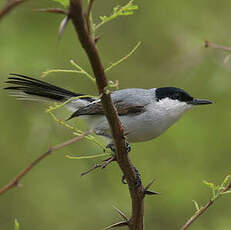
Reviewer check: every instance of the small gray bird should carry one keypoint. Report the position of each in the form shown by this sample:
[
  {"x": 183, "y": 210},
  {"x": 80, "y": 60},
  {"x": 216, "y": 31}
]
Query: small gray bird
[{"x": 144, "y": 113}]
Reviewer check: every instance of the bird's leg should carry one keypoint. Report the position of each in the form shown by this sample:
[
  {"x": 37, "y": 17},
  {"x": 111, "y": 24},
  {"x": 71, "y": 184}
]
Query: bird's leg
[
  {"x": 111, "y": 146},
  {"x": 107, "y": 161},
  {"x": 138, "y": 178}
]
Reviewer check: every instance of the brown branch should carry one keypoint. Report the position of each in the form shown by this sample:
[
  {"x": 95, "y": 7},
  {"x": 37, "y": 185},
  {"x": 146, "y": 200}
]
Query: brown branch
[
  {"x": 52, "y": 10},
  {"x": 76, "y": 14},
  {"x": 216, "y": 46},
  {"x": 203, "y": 209},
  {"x": 15, "y": 181},
  {"x": 88, "y": 19},
  {"x": 198, "y": 214},
  {"x": 10, "y": 5}
]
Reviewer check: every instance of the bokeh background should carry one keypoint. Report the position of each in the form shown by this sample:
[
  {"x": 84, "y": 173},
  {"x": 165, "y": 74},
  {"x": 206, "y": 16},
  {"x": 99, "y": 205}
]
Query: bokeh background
[{"x": 197, "y": 148}]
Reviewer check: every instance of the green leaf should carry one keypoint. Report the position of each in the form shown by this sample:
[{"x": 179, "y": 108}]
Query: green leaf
[
  {"x": 63, "y": 2},
  {"x": 209, "y": 184},
  {"x": 16, "y": 224},
  {"x": 125, "y": 10},
  {"x": 196, "y": 205}
]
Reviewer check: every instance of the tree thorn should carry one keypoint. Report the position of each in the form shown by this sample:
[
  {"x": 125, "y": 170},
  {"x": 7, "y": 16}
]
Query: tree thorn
[
  {"x": 18, "y": 184},
  {"x": 90, "y": 170},
  {"x": 63, "y": 26},
  {"x": 121, "y": 213},
  {"x": 147, "y": 192},
  {"x": 117, "y": 225},
  {"x": 149, "y": 185},
  {"x": 108, "y": 161}
]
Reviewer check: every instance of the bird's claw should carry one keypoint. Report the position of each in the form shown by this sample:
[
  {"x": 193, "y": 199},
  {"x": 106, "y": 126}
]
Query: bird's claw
[
  {"x": 111, "y": 146},
  {"x": 138, "y": 181}
]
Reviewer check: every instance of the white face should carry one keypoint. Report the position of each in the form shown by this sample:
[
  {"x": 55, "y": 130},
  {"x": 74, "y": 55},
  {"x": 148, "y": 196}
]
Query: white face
[{"x": 171, "y": 110}]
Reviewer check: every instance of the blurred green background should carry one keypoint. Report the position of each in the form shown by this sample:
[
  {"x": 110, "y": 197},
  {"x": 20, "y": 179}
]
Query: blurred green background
[{"x": 54, "y": 196}]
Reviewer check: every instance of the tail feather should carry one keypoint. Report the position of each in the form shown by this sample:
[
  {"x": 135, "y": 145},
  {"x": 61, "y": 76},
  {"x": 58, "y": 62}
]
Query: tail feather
[{"x": 29, "y": 88}]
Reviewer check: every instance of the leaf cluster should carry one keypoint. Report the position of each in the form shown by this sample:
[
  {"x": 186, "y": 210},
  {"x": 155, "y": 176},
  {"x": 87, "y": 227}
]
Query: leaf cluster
[
  {"x": 216, "y": 190},
  {"x": 117, "y": 11}
]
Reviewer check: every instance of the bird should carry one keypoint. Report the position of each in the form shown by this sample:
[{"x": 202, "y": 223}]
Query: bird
[{"x": 144, "y": 113}]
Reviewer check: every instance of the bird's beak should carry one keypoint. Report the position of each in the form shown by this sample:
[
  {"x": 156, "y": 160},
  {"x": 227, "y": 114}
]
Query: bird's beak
[{"x": 199, "y": 102}]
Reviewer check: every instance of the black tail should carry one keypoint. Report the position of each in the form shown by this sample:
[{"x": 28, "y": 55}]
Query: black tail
[{"x": 33, "y": 87}]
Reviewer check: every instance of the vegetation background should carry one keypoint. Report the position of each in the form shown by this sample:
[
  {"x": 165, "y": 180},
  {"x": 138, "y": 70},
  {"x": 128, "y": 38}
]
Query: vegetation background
[{"x": 54, "y": 196}]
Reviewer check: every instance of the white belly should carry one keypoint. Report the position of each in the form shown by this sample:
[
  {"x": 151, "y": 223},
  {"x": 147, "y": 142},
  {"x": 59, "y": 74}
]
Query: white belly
[{"x": 137, "y": 127}]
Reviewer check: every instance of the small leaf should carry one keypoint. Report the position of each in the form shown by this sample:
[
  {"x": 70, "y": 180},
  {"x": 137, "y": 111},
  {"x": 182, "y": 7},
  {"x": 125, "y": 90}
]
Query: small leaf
[
  {"x": 16, "y": 224},
  {"x": 63, "y": 2},
  {"x": 226, "y": 181},
  {"x": 209, "y": 184},
  {"x": 125, "y": 10},
  {"x": 196, "y": 205}
]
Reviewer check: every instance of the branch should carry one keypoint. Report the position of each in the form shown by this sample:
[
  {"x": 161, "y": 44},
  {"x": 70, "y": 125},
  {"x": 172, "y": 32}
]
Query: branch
[
  {"x": 216, "y": 46},
  {"x": 76, "y": 14},
  {"x": 203, "y": 209},
  {"x": 15, "y": 182},
  {"x": 88, "y": 16},
  {"x": 11, "y": 4},
  {"x": 52, "y": 10}
]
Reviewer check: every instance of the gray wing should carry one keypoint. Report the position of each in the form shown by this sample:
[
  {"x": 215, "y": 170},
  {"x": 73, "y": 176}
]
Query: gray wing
[{"x": 126, "y": 101}]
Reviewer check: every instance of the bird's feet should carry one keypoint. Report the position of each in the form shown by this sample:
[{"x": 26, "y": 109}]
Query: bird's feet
[
  {"x": 138, "y": 181},
  {"x": 111, "y": 146},
  {"x": 107, "y": 161}
]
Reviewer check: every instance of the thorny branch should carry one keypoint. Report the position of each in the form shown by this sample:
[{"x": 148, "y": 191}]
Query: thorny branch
[
  {"x": 82, "y": 27},
  {"x": 10, "y": 5},
  {"x": 203, "y": 209},
  {"x": 137, "y": 194},
  {"x": 16, "y": 181}
]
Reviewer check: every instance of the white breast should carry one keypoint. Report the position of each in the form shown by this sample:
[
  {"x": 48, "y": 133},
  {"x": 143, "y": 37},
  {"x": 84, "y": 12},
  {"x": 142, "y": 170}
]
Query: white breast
[{"x": 151, "y": 123}]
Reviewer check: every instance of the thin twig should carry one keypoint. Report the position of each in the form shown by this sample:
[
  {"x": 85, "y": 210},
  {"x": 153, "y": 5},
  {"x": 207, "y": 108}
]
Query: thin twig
[
  {"x": 216, "y": 46},
  {"x": 10, "y": 5},
  {"x": 91, "y": 169},
  {"x": 76, "y": 14},
  {"x": 52, "y": 10},
  {"x": 203, "y": 210},
  {"x": 197, "y": 215},
  {"x": 88, "y": 15},
  {"x": 15, "y": 181}
]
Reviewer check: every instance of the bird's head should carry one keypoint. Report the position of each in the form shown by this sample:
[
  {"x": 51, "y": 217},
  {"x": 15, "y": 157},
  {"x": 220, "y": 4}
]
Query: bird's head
[{"x": 175, "y": 101}]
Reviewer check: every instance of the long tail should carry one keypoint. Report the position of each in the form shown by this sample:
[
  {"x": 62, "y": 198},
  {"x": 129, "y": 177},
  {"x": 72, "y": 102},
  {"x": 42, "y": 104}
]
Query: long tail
[{"x": 27, "y": 88}]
